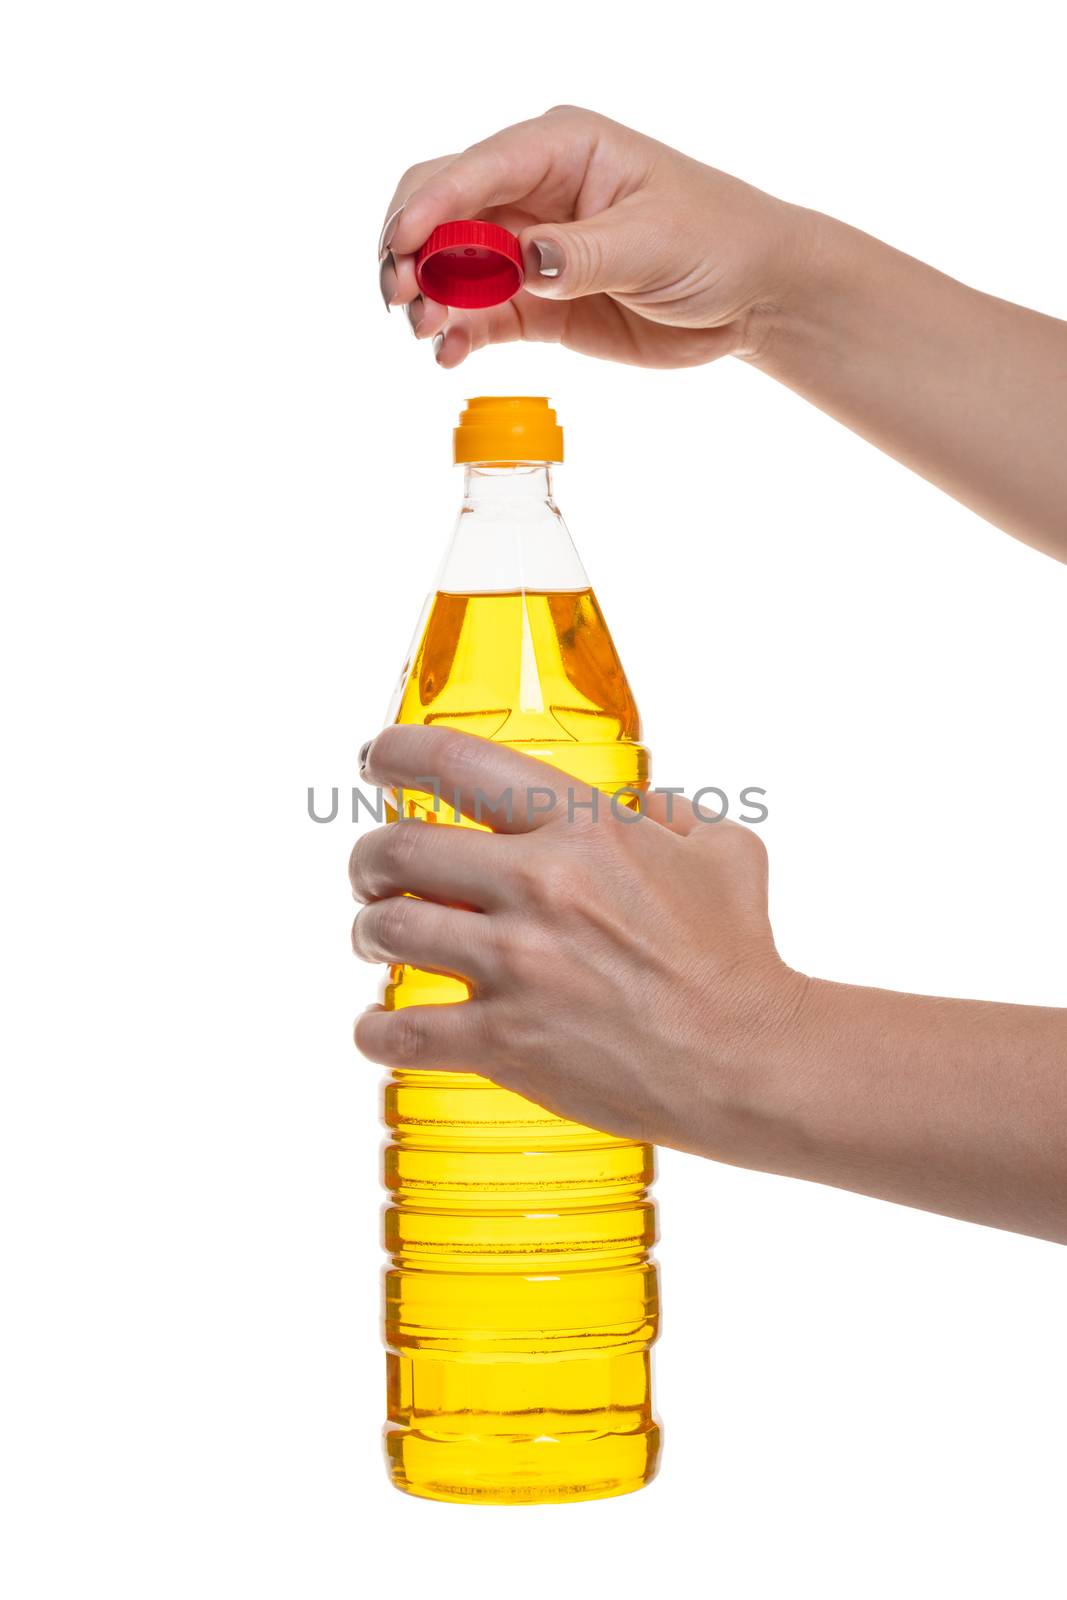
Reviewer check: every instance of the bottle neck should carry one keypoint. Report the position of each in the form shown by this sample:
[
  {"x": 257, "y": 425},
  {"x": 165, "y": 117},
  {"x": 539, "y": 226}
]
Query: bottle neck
[
  {"x": 519, "y": 485},
  {"x": 509, "y": 535}
]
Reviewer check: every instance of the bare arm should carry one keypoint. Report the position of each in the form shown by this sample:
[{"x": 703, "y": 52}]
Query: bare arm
[
  {"x": 967, "y": 390},
  {"x": 957, "y": 1106}
]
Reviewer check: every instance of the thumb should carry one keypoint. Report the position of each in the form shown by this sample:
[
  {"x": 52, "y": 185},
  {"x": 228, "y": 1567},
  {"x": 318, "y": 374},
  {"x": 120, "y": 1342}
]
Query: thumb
[{"x": 610, "y": 253}]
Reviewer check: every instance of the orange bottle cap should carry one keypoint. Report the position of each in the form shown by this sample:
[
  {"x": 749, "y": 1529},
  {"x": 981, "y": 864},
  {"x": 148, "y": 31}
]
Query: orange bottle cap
[{"x": 507, "y": 428}]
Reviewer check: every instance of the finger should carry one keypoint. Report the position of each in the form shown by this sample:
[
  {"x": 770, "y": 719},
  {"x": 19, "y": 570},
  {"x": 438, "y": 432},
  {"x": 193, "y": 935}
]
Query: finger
[
  {"x": 438, "y": 861},
  {"x": 418, "y": 933},
  {"x": 487, "y": 782},
  {"x": 413, "y": 178},
  {"x": 454, "y": 1038},
  {"x": 426, "y": 317},
  {"x": 452, "y": 345},
  {"x": 732, "y": 841},
  {"x": 540, "y": 159},
  {"x": 671, "y": 809},
  {"x": 403, "y": 285},
  {"x": 396, "y": 271},
  {"x": 618, "y": 251},
  {"x": 524, "y": 317},
  {"x": 466, "y": 331}
]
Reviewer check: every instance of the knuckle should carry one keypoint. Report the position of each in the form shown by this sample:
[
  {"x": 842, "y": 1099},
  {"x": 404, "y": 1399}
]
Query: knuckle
[
  {"x": 527, "y": 876},
  {"x": 409, "y": 1038},
  {"x": 362, "y": 934},
  {"x": 379, "y": 929},
  {"x": 524, "y": 955},
  {"x": 417, "y": 174},
  {"x": 736, "y": 849},
  {"x": 585, "y": 256},
  {"x": 459, "y": 752},
  {"x": 397, "y": 844},
  {"x": 380, "y": 859},
  {"x": 553, "y": 882},
  {"x": 390, "y": 923},
  {"x": 447, "y": 183},
  {"x": 361, "y": 864},
  {"x": 565, "y": 109},
  {"x": 613, "y": 836}
]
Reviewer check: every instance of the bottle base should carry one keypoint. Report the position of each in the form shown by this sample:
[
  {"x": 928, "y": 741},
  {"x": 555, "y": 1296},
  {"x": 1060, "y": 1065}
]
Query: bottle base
[{"x": 537, "y": 1471}]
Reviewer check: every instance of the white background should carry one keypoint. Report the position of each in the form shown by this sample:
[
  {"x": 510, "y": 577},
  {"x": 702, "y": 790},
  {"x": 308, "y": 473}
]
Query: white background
[{"x": 226, "y": 490}]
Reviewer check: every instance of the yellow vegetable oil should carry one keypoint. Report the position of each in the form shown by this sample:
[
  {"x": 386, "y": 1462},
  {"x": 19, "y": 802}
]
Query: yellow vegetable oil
[{"x": 521, "y": 1303}]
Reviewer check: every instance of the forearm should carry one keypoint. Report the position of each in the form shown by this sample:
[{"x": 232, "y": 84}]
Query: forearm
[
  {"x": 965, "y": 389},
  {"x": 955, "y": 1106}
]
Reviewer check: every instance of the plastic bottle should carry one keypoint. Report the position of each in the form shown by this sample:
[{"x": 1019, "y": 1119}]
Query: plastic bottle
[{"x": 521, "y": 1303}]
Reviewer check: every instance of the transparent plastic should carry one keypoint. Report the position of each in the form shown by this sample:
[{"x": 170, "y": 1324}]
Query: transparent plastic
[{"x": 521, "y": 1302}]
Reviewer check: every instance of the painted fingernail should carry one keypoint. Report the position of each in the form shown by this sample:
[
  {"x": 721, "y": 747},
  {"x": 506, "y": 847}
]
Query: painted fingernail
[
  {"x": 550, "y": 258},
  {"x": 387, "y": 280},
  {"x": 438, "y": 341},
  {"x": 364, "y": 752},
  {"x": 414, "y": 312},
  {"x": 389, "y": 231}
]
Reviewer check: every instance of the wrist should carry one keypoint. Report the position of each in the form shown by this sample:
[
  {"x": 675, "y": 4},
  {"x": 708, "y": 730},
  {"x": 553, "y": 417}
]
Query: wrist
[
  {"x": 772, "y": 1086},
  {"x": 816, "y": 262}
]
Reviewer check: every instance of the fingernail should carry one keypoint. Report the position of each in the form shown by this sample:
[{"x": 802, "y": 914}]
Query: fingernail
[
  {"x": 387, "y": 280},
  {"x": 550, "y": 258},
  {"x": 389, "y": 231},
  {"x": 414, "y": 312},
  {"x": 364, "y": 751},
  {"x": 438, "y": 341}
]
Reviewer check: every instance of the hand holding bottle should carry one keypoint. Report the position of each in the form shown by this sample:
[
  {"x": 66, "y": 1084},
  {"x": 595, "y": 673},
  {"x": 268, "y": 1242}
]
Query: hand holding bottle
[
  {"x": 625, "y": 974},
  {"x": 623, "y": 971}
]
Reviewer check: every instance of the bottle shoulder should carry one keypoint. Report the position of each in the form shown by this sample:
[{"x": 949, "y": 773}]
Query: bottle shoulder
[{"x": 521, "y": 667}]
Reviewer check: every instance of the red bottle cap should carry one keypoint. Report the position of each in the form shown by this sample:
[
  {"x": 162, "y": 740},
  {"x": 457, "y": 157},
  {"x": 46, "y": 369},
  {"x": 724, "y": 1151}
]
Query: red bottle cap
[{"x": 469, "y": 264}]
